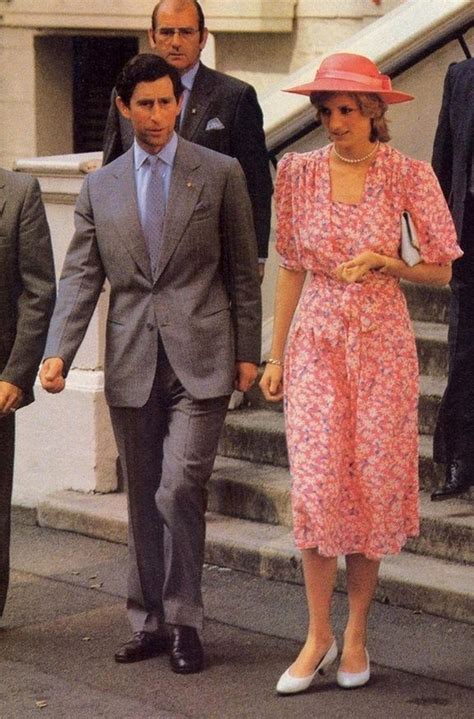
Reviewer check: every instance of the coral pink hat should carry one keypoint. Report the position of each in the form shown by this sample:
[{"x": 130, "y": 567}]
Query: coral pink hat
[{"x": 346, "y": 72}]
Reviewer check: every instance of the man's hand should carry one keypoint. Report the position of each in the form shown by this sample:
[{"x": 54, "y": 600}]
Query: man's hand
[
  {"x": 245, "y": 375},
  {"x": 271, "y": 383},
  {"x": 356, "y": 269},
  {"x": 51, "y": 375},
  {"x": 10, "y": 398}
]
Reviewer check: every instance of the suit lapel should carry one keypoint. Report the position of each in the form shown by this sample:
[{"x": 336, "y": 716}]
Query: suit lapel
[
  {"x": 185, "y": 189},
  {"x": 126, "y": 215},
  {"x": 198, "y": 103}
]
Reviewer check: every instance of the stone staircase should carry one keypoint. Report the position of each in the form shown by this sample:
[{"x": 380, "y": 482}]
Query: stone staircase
[
  {"x": 249, "y": 519},
  {"x": 249, "y": 493}
]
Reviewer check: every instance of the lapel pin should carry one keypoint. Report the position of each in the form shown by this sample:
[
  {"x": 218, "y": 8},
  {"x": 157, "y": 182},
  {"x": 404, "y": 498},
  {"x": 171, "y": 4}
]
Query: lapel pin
[
  {"x": 193, "y": 111},
  {"x": 189, "y": 184}
]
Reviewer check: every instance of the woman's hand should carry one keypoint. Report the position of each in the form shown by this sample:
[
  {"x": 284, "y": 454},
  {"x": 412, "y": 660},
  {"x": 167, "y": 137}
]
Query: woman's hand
[
  {"x": 271, "y": 383},
  {"x": 356, "y": 269}
]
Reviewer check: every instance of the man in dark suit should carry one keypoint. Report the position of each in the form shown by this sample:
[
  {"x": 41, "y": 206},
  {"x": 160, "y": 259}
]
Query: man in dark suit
[
  {"x": 219, "y": 111},
  {"x": 27, "y": 292},
  {"x": 176, "y": 243},
  {"x": 453, "y": 163}
]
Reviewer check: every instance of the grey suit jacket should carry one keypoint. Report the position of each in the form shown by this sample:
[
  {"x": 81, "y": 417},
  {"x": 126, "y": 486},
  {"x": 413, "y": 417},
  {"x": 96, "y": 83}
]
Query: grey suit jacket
[
  {"x": 204, "y": 299},
  {"x": 27, "y": 285},
  {"x": 239, "y": 133},
  {"x": 453, "y": 147}
]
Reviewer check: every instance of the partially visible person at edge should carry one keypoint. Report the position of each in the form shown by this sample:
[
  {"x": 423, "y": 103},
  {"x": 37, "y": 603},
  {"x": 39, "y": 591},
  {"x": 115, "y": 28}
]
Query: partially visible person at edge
[
  {"x": 169, "y": 224},
  {"x": 27, "y": 294},
  {"x": 348, "y": 368},
  {"x": 219, "y": 111},
  {"x": 453, "y": 163}
]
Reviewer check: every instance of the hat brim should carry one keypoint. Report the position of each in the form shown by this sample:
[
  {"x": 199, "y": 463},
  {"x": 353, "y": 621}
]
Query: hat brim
[{"x": 391, "y": 97}]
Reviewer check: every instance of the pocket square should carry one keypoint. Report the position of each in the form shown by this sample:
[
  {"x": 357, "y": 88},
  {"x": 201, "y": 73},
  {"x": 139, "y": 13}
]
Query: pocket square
[{"x": 215, "y": 124}]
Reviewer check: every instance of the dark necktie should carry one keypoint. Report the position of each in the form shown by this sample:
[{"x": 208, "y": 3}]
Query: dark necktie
[{"x": 155, "y": 207}]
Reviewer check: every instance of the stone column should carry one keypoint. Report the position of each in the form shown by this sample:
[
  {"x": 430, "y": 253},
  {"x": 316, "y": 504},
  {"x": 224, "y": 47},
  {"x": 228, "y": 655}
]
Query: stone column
[{"x": 17, "y": 96}]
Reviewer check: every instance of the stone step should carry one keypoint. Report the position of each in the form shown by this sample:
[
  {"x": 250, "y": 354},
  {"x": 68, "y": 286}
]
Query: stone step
[
  {"x": 431, "y": 391},
  {"x": 432, "y": 348},
  {"x": 256, "y": 435},
  {"x": 251, "y": 491},
  {"x": 413, "y": 581},
  {"x": 427, "y": 304},
  {"x": 417, "y": 582},
  {"x": 262, "y": 493}
]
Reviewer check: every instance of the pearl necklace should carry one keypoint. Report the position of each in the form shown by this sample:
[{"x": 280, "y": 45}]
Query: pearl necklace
[{"x": 360, "y": 159}]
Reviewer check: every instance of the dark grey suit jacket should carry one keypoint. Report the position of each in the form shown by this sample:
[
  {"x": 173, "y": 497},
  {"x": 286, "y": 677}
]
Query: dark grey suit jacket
[
  {"x": 454, "y": 140},
  {"x": 27, "y": 285},
  {"x": 234, "y": 103},
  {"x": 204, "y": 299}
]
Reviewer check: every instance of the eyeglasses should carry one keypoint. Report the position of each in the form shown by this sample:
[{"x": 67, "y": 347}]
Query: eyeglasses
[{"x": 168, "y": 33}]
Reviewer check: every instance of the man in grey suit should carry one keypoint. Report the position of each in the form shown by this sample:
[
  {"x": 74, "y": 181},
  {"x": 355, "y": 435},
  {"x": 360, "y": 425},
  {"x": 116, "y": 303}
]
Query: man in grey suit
[
  {"x": 176, "y": 243},
  {"x": 219, "y": 111},
  {"x": 27, "y": 293}
]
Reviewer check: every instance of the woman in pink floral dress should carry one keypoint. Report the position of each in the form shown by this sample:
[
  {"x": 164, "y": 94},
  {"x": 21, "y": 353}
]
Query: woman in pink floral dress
[{"x": 350, "y": 365}]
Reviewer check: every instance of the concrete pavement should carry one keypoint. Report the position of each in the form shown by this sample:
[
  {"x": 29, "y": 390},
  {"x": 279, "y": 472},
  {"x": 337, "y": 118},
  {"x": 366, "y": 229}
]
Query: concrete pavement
[{"x": 65, "y": 618}]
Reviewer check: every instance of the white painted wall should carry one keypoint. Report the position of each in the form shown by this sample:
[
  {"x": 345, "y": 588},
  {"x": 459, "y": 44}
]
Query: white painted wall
[{"x": 17, "y": 96}]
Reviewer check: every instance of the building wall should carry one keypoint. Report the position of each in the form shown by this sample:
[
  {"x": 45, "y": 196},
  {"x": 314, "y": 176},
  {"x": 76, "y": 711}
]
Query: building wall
[
  {"x": 257, "y": 42},
  {"x": 53, "y": 94},
  {"x": 318, "y": 26},
  {"x": 17, "y": 96}
]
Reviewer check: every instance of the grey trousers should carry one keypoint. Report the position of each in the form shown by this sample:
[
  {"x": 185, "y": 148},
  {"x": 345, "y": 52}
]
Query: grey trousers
[
  {"x": 7, "y": 444},
  {"x": 167, "y": 450}
]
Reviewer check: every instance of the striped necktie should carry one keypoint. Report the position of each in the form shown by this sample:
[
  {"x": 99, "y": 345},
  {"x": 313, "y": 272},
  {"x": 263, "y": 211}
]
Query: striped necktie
[{"x": 155, "y": 207}]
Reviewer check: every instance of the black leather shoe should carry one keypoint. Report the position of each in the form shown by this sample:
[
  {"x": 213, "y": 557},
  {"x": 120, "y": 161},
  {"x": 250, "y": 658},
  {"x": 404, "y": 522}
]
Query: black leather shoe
[
  {"x": 458, "y": 481},
  {"x": 186, "y": 653},
  {"x": 142, "y": 645}
]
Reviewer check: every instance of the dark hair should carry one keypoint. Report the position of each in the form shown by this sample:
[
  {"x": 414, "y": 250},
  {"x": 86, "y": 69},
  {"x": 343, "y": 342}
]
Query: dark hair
[
  {"x": 200, "y": 14},
  {"x": 370, "y": 105},
  {"x": 145, "y": 68}
]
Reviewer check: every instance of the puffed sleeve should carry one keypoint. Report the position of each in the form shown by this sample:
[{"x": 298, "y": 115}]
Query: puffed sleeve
[
  {"x": 286, "y": 240},
  {"x": 427, "y": 206}
]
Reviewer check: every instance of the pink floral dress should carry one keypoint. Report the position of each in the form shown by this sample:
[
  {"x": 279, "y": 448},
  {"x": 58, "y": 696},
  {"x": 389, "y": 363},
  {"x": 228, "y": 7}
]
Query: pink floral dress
[{"x": 351, "y": 371}]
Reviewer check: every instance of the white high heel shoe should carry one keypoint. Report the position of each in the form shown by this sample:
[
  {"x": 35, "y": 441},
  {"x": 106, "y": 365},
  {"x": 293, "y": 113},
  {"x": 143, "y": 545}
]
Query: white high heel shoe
[
  {"x": 351, "y": 680},
  {"x": 287, "y": 684}
]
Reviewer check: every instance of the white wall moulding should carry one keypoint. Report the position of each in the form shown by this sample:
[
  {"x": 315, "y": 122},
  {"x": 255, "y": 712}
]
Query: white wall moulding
[
  {"x": 249, "y": 15},
  {"x": 221, "y": 15},
  {"x": 77, "y": 15},
  {"x": 344, "y": 8}
]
